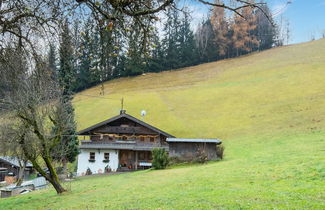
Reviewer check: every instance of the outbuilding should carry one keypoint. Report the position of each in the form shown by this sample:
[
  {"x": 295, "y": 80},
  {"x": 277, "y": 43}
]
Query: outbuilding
[
  {"x": 10, "y": 165},
  {"x": 190, "y": 149}
]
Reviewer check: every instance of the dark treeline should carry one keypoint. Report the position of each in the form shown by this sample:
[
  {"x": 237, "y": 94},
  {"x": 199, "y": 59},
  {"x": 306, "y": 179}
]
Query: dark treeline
[{"x": 96, "y": 54}]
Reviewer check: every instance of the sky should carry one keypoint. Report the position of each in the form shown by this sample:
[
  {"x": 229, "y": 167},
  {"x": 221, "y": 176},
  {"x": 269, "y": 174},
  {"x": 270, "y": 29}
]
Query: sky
[{"x": 306, "y": 17}]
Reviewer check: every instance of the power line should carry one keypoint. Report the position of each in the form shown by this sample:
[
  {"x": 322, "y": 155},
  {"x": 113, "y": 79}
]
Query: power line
[
  {"x": 281, "y": 10},
  {"x": 99, "y": 97}
]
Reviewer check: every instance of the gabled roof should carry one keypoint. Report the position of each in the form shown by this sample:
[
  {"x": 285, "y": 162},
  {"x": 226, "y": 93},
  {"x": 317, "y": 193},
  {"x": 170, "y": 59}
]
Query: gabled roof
[
  {"x": 13, "y": 161},
  {"x": 217, "y": 141},
  {"x": 123, "y": 115}
]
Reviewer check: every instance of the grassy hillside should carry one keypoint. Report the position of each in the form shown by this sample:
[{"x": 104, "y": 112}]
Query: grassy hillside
[{"x": 268, "y": 108}]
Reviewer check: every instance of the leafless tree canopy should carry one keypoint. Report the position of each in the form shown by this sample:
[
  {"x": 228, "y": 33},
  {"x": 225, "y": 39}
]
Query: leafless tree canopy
[
  {"x": 25, "y": 20},
  {"x": 34, "y": 115}
]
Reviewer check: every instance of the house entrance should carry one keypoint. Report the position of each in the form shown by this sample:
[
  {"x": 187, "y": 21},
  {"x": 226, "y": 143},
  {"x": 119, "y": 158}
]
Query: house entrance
[
  {"x": 133, "y": 160},
  {"x": 127, "y": 159}
]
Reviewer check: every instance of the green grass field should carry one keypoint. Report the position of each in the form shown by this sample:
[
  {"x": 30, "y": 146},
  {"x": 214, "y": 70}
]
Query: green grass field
[{"x": 269, "y": 110}]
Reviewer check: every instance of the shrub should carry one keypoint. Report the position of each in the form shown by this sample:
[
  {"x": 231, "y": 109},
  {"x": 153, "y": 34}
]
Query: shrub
[
  {"x": 220, "y": 149},
  {"x": 160, "y": 158}
]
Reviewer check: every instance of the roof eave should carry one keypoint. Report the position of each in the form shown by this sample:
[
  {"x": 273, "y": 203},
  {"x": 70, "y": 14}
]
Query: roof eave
[{"x": 86, "y": 131}]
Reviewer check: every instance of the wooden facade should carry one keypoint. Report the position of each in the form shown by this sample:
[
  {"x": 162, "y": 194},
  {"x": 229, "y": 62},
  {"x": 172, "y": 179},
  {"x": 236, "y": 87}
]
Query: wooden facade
[{"x": 191, "y": 149}]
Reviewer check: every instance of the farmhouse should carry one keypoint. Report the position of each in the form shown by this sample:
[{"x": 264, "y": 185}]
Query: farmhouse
[
  {"x": 124, "y": 143},
  {"x": 120, "y": 143}
]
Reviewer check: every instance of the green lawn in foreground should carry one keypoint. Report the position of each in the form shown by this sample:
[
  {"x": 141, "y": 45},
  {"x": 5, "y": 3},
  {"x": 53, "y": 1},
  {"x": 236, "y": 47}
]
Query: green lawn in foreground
[
  {"x": 269, "y": 172},
  {"x": 268, "y": 108}
]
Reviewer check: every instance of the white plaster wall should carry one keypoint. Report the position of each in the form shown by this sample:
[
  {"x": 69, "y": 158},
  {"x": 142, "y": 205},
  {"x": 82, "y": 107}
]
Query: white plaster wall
[{"x": 84, "y": 164}]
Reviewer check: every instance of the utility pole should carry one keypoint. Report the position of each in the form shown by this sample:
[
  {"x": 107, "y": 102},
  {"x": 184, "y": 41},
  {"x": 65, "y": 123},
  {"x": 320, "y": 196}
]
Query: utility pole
[{"x": 122, "y": 103}]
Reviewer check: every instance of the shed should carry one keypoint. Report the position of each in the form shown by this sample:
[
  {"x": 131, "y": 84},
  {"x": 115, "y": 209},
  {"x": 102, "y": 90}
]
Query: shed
[
  {"x": 11, "y": 165},
  {"x": 190, "y": 149}
]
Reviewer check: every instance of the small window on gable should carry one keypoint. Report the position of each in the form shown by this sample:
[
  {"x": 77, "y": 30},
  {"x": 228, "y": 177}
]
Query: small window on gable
[
  {"x": 141, "y": 138},
  {"x": 124, "y": 138},
  {"x": 152, "y": 139},
  {"x": 92, "y": 156}
]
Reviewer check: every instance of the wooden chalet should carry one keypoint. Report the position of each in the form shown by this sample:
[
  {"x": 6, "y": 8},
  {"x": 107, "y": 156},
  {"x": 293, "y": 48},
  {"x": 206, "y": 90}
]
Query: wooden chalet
[{"x": 120, "y": 143}]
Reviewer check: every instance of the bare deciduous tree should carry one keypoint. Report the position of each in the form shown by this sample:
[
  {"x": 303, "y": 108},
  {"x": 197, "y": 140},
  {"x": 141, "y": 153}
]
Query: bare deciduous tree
[{"x": 35, "y": 115}]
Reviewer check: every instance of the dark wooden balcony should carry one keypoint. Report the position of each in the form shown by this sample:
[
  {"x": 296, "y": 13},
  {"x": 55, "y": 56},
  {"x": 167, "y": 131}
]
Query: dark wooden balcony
[{"x": 121, "y": 144}]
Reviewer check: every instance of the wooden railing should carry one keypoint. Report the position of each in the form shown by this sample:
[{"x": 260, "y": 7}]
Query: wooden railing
[{"x": 119, "y": 144}]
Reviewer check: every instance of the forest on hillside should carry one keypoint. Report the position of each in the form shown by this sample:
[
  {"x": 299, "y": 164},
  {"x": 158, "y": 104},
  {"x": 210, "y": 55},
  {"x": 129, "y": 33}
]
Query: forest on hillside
[
  {"x": 51, "y": 49},
  {"x": 95, "y": 53}
]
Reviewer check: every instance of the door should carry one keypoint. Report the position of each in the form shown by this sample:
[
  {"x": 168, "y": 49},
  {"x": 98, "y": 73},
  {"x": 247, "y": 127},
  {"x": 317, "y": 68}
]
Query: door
[{"x": 127, "y": 158}]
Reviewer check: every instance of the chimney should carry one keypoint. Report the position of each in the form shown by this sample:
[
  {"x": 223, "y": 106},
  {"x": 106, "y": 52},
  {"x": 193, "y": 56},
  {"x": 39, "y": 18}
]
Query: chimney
[{"x": 122, "y": 111}]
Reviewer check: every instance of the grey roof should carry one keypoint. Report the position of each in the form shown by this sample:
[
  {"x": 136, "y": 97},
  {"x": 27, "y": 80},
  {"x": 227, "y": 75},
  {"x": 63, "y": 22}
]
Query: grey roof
[
  {"x": 217, "y": 141},
  {"x": 13, "y": 161},
  {"x": 85, "y": 131}
]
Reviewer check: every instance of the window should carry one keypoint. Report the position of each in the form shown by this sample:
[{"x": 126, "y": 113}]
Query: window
[
  {"x": 106, "y": 157},
  {"x": 91, "y": 157},
  {"x": 141, "y": 138},
  {"x": 152, "y": 139},
  {"x": 124, "y": 138}
]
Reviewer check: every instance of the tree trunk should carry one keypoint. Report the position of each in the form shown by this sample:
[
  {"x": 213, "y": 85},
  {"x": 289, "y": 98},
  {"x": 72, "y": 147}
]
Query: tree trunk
[
  {"x": 21, "y": 173},
  {"x": 65, "y": 167},
  {"x": 57, "y": 186},
  {"x": 53, "y": 179}
]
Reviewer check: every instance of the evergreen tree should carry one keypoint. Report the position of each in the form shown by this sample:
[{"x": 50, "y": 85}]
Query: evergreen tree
[
  {"x": 110, "y": 45},
  {"x": 52, "y": 62},
  {"x": 155, "y": 63},
  {"x": 88, "y": 56},
  {"x": 69, "y": 143},
  {"x": 170, "y": 42},
  {"x": 66, "y": 73},
  {"x": 187, "y": 48},
  {"x": 84, "y": 73},
  {"x": 135, "y": 63}
]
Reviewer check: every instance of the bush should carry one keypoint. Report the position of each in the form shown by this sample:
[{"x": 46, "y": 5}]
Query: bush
[
  {"x": 160, "y": 158},
  {"x": 220, "y": 149}
]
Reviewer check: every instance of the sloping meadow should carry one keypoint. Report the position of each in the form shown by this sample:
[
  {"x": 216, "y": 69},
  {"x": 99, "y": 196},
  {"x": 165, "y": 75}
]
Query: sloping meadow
[{"x": 269, "y": 110}]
